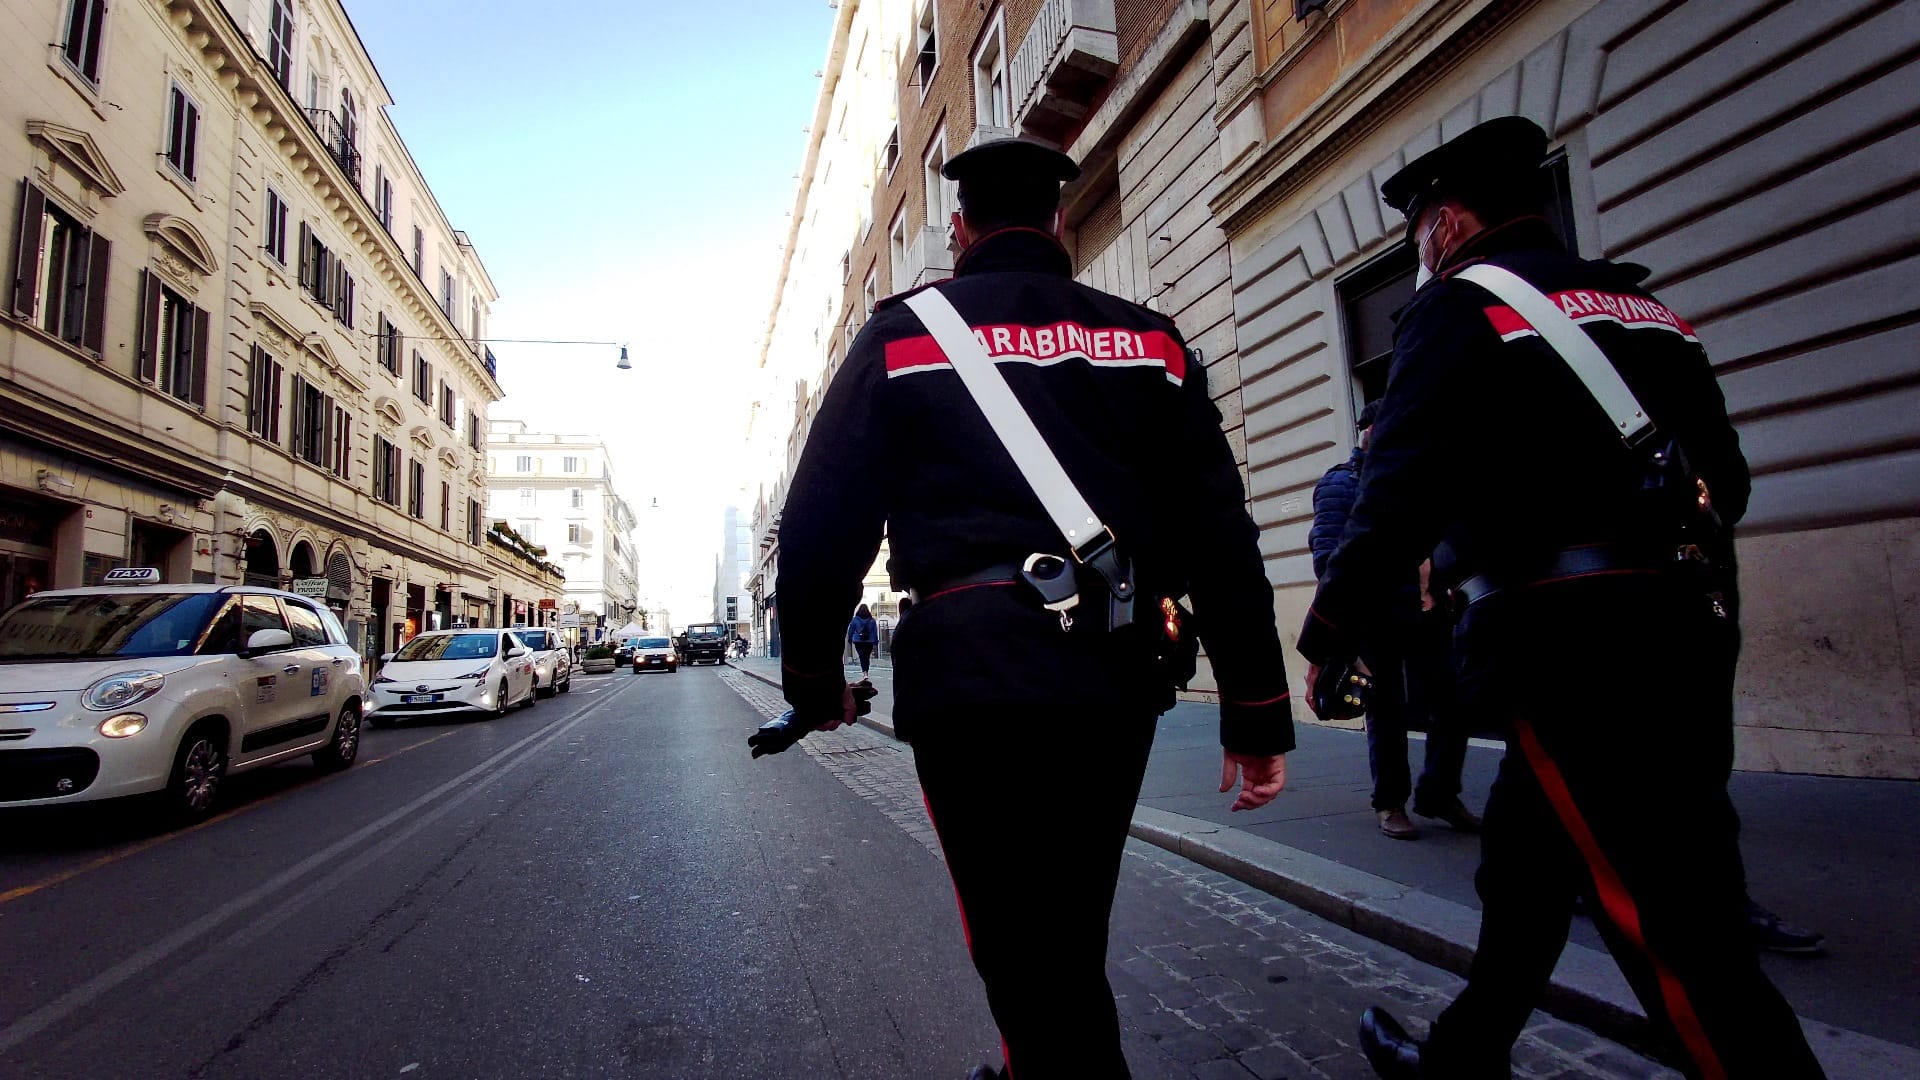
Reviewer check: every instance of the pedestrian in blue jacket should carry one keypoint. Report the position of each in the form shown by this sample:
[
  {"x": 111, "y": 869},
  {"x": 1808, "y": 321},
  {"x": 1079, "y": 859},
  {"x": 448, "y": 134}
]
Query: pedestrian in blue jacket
[{"x": 864, "y": 632}]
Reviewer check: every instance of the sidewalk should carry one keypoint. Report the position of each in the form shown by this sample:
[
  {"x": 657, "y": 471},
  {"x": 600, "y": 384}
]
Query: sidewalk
[{"x": 1835, "y": 855}]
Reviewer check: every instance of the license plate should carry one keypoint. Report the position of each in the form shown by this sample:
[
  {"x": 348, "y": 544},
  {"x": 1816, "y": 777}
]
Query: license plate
[{"x": 421, "y": 699}]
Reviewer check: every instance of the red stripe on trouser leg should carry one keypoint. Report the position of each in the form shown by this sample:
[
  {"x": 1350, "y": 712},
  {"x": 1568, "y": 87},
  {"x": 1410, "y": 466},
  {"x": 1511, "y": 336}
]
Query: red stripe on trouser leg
[
  {"x": 1618, "y": 903},
  {"x": 966, "y": 931}
]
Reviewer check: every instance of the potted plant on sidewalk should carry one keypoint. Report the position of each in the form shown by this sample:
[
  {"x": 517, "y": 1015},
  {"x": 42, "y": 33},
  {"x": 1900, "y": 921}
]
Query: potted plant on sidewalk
[{"x": 598, "y": 660}]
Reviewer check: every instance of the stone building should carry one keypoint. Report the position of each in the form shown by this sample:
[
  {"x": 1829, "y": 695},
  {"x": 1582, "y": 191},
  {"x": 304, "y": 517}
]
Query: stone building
[
  {"x": 1759, "y": 158},
  {"x": 242, "y": 341},
  {"x": 554, "y": 496}
]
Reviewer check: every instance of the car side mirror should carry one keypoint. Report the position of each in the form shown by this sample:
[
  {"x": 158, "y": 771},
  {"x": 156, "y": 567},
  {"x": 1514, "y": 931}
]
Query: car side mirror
[
  {"x": 386, "y": 658},
  {"x": 517, "y": 651},
  {"x": 267, "y": 641}
]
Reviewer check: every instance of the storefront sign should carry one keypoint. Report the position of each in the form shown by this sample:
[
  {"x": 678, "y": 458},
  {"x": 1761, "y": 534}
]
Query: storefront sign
[
  {"x": 313, "y": 588},
  {"x": 549, "y": 605},
  {"x": 568, "y": 622}
]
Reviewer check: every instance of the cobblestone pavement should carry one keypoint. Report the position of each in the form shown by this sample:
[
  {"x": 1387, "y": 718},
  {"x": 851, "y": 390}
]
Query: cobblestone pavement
[{"x": 1216, "y": 979}]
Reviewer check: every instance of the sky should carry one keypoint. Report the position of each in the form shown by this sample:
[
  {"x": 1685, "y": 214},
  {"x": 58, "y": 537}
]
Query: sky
[{"x": 624, "y": 170}]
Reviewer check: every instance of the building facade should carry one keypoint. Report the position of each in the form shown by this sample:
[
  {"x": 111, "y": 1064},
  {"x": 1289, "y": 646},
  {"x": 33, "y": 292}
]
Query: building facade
[
  {"x": 241, "y": 342},
  {"x": 1759, "y": 158},
  {"x": 730, "y": 571},
  {"x": 1125, "y": 86},
  {"x": 554, "y": 496}
]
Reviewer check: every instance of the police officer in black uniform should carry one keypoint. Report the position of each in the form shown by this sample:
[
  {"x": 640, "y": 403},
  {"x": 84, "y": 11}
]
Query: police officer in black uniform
[
  {"x": 1600, "y": 622},
  {"x": 1031, "y": 738}
]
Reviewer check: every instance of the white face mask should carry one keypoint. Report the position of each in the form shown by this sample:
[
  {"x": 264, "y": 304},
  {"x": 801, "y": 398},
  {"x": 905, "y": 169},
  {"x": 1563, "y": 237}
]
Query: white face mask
[{"x": 1424, "y": 275}]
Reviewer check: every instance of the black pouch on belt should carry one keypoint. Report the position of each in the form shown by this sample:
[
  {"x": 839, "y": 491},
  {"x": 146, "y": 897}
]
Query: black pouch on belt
[{"x": 1342, "y": 692}]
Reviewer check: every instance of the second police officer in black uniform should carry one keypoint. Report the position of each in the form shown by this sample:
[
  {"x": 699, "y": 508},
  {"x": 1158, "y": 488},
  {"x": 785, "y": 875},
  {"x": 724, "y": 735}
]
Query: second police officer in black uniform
[
  {"x": 1030, "y": 739},
  {"x": 1600, "y": 621}
]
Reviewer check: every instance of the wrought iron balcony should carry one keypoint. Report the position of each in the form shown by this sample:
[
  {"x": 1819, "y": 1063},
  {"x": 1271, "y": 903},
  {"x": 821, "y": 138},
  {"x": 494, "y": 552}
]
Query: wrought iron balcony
[
  {"x": 1068, "y": 56},
  {"x": 493, "y": 366},
  {"x": 341, "y": 148}
]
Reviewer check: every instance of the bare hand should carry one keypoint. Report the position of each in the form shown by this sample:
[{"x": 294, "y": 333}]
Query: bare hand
[
  {"x": 848, "y": 710},
  {"x": 1260, "y": 778}
]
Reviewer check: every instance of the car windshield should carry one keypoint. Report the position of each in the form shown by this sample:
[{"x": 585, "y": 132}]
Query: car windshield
[
  {"x": 705, "y": 630},
  {"x": 99, "y": 625},
  {"x": 535, "y": 639},
  {"x": 450, "y": 647},
  {"x": 654, "y": 643}
]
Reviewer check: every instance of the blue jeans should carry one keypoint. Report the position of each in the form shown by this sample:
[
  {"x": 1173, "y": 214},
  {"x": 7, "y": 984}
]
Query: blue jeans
[{"x": 1414, "y": 688}]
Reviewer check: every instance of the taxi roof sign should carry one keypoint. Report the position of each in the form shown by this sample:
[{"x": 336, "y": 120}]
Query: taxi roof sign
[{"x": 132, "y": 575}]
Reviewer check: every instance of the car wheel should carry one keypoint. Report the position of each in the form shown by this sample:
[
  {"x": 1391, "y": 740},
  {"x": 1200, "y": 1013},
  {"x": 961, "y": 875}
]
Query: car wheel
[
  {"x": 500, "y": 701},
  {"x": 198, "y": 767},
  {"x": 568, "y": 685},
  {"x": 533, "y": 694},
  {"x": 345, "y": 746}
]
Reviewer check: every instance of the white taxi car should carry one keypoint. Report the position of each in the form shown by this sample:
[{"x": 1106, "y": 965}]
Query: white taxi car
[
  {"x": 552, "y": 663},
  {"x": 655, "y": 654},
  {"x": 136, "y": 686},
  {"x": 450, "y": 671}
]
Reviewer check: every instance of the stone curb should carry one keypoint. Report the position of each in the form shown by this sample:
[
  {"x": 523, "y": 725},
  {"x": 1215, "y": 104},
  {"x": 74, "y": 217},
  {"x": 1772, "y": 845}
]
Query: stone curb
[
  {"x": 1587, "y": 987},
  {"x": 879, "y": 722}
]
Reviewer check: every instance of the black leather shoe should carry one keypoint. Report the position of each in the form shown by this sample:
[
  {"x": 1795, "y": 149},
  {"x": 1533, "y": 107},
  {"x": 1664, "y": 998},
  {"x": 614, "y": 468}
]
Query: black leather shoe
[
  {"x": 1393, "y": 1053},
  {"x": 1454, "y": 813},
  {"x": 1769, "y": 931}
]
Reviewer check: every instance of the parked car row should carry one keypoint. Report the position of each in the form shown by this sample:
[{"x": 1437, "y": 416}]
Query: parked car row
[{"x": 137, "y": 687}]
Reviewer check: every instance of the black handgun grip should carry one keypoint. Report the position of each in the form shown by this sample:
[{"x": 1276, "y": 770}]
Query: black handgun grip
[{"x": 781, "y": 732}]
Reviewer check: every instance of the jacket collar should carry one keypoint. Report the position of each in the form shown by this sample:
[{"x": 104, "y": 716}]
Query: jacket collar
[
  {"x": 1530, "y": 233},
  {"x": 1017, "y": 248}
]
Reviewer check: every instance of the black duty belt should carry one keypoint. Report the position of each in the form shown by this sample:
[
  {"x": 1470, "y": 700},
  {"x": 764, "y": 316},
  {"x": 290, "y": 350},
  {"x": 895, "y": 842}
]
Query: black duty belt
[
  {"x": 992, "y": 575},
  {"x": 1579, "y": 562}
]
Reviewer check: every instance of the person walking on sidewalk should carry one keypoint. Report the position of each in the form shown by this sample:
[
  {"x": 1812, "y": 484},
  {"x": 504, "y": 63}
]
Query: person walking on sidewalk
[
  {"x": 1412, "y": 674},
  {"x": 1019, "y": 713},
  {"x": 1596, "y": 575},
  {"x": 864, "y": 633}
]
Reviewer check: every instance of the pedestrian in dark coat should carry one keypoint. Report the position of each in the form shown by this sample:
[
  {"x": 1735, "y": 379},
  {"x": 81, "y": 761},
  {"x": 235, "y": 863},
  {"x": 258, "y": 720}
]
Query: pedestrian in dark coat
[{"x": 1412, "y": 671}]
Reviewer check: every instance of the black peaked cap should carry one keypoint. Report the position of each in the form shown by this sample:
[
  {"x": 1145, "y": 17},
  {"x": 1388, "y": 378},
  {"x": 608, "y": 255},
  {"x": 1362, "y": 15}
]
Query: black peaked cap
[
  {"x": 1012, "y": 159},
  {"x": 1504, "y": 151}
]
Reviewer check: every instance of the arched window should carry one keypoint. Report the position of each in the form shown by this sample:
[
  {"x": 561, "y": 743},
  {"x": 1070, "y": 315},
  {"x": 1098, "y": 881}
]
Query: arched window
[{"x": 263, "y": 560}]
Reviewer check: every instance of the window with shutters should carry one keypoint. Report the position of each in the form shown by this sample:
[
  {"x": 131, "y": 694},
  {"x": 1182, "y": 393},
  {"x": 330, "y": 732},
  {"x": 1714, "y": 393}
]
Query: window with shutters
[
  {"x": 343, "y": 295},
  {"x": 419, "y": 251},
  {"x": 570, "y": 464},
  {"x": 473, "y": 430},
  {"x": 446, "y": 403},
  {"x": 173, "y": 342},
  {"x": 318, "y": 267},
  {"x": 276, "y": 245},
  {"x": 475, "y": 527},
  {"x": 422, "y": 379},
  {"x": 62, "y": 268},
  {"x": 383, "y": 198},
  {"x": 416, "y": 489},
  {"x": 342, "y": 443},
  {"x": 446, "y": 506},
  {"x": 320, "y": 428},
  {"x": 473, "y": 304},
  {"x": 446, "y": 292},
  {"x": 523, "y": 463},
  {"x": 890, "y": 156},
  {"x": 573, "y": 534},
  {"x": 263, "y": 395},
  {"x": 280, "y": 43},
  {"x": 183, "y": 131},
  {"x": 576, "y": 498},
  {"x": 387, "y": 345},
  {"x": 386, "y": 471},
  {"x": 86, "y": 28}
]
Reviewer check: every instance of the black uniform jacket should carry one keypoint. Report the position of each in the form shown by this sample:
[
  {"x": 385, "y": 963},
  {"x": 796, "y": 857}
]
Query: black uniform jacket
[
  {"x": 1487, "y": 440},
  {"x": 899, "y": 445}
]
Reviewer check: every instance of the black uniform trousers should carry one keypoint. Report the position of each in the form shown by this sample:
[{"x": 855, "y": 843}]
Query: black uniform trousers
[
  {"x": 1614, "y": 786},
  {"x": 1032, "y": 808}
]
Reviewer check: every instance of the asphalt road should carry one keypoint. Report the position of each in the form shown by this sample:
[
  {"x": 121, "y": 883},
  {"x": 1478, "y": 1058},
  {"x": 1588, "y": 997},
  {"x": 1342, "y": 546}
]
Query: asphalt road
[{"x": 601, "y": 885}]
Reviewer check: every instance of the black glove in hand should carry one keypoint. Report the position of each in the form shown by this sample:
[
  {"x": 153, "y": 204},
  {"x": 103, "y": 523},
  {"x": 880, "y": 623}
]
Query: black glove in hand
[
  {"x": 1342, "y": 693},
  {"x": 789, "y": 727}
]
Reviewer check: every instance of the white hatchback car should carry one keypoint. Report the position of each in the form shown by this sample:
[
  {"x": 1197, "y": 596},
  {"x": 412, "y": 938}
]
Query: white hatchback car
[
  {"x": 144, "y": 687},
  {"x": 552, "y": 662},
  {"x": 449, "y": 671}
]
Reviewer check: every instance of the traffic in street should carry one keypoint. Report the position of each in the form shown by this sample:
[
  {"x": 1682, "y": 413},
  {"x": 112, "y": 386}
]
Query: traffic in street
[{"x": 604, "y": 884}]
